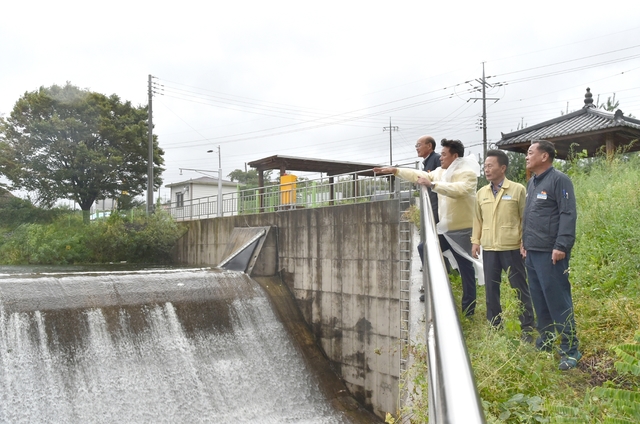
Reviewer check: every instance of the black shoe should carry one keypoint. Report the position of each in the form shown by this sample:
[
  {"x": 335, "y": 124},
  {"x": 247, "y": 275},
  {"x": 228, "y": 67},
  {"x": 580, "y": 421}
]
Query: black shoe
[
  {"x": 421, "y": 298},
  {"x": 526, "y": 337},
  {"x": 497, "y": 327},
  {"x": 569, "y": 362},
  {"x": 421, "y": 290}
]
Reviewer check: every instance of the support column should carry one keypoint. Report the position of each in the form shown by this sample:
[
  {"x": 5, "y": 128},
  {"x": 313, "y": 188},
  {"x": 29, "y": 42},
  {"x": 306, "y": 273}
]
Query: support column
[{"x": 610, "y": 146}]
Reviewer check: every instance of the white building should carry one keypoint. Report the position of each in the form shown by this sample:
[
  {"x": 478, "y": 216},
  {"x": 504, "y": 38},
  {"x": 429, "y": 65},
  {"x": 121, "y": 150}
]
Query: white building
[{"x": 198, "y": 198}]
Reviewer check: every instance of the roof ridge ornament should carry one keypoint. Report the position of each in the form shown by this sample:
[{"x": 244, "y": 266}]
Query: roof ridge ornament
[{"x": 588, "y": 99}]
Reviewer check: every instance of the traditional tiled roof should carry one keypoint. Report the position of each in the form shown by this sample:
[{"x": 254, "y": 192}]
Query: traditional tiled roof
[
  {"x": 585, "y": 120},
  {"x": 587, "y": 129}
]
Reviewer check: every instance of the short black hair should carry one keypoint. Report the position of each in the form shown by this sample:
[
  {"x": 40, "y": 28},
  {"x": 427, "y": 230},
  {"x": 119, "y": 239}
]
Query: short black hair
[
  {"x": 546, "y": 146},
  {"x": 502, "y": 157},
  {"x": 455, "y": 146}
]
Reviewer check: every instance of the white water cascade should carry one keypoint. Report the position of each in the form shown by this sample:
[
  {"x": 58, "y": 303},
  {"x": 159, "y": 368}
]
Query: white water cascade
[{"x": 181, "y": 346}]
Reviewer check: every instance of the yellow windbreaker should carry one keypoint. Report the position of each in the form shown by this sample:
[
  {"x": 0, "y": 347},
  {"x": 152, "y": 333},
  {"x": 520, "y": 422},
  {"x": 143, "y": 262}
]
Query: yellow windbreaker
[
  {"x": 497, "y": 223},
  {"x": 456, "y": 187}
]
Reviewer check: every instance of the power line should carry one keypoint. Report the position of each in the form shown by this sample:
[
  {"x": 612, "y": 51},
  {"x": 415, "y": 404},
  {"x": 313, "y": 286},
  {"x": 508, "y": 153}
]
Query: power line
[
  {"x": 320, "y": 120},
  {"x": 566, "y": 71},
  {"x": 484, "y": 84}
]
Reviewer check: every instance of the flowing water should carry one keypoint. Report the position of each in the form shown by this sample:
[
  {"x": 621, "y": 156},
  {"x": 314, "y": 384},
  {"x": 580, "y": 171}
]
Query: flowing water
[{"x": 152, "y": 346}]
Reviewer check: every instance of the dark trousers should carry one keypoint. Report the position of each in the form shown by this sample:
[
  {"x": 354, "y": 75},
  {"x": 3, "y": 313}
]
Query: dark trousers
[
  {"x": 421, "y": 252},
  {"x": 551, "y": 295},
  {"x": 434, "y": 210},
  {"x": 494, "y": 263},
  {"x": 468, "y": 276}
]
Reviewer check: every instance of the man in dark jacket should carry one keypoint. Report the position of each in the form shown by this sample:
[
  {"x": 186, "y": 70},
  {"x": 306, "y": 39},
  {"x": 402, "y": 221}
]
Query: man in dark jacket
[
  {"x": 548, "y": 234},
  {"x": 425, "y": 147}
]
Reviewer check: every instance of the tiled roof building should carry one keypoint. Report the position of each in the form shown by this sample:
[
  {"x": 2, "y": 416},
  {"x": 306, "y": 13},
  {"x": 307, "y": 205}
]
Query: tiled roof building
[{"x": 587, "y": 129}]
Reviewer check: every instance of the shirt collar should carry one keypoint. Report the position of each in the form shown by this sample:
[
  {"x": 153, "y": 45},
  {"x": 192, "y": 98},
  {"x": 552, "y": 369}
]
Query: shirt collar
[
  {"x": 424, "y": 160},
  {"x": 538, "y": 178},
  {"x": 495, "y": 189}
]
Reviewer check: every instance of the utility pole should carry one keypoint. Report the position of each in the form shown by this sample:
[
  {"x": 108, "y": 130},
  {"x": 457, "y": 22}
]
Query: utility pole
[
  {"x": 483, "y": 82},
  {"x": 484, "y": 115},
  {"x": 150, "y": 204},
  {"x": 391, "y": 130},
  {"x": 220, "y": 210}
]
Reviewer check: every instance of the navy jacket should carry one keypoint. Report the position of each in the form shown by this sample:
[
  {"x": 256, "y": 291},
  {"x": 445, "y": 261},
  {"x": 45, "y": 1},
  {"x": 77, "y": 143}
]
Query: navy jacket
[
  {"x": 550, "y": 213},
  {"x": 429, "y": 164}
]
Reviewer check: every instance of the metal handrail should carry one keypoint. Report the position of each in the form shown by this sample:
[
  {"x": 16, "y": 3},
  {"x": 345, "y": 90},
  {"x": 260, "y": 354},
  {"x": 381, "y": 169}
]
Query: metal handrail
[
  {"x": 307, "y": 193},
  {"x": 453, "y": 397}
]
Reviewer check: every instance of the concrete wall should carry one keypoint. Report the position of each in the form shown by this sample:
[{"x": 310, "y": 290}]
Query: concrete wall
[{"x": 342, "y": 265}]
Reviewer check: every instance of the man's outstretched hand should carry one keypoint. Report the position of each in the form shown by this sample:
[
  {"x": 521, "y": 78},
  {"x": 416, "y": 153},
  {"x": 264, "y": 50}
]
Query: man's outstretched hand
[{"x": 384, "y": 170}]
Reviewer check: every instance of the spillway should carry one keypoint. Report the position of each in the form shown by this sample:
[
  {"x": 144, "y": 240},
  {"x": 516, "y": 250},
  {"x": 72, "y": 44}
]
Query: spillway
[{"x": 161, "y": 346}]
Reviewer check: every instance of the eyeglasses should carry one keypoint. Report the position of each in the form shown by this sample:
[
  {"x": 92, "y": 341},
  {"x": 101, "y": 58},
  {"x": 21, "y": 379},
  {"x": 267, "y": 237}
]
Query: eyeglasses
[{"x": 417, "y": 146}]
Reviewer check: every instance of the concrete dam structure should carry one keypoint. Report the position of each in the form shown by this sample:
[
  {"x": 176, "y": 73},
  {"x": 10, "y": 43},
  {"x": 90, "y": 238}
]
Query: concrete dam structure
[
  {"x": 304, "y": 325},
  {"x": 161, "y": 346},
  {"x": 344, "y": 266}
]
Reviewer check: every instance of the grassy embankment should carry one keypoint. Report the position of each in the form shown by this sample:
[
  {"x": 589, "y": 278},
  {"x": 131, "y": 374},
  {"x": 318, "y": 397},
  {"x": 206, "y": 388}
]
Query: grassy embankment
[{"x": 518, "y": 384}]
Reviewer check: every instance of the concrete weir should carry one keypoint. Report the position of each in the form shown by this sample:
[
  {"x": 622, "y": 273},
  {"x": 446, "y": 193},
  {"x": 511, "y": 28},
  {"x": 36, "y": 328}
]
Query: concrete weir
[
  {"x": 166, "y": 346},
  {"x": 342, "y": 265}
]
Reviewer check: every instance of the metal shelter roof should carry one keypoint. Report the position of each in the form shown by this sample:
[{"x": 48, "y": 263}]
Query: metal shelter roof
[
  {"x": 292, "y": 163},
  {"x": 585, "y": 129}
]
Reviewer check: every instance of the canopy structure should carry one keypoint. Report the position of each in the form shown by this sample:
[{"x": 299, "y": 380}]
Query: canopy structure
[
  {"x": 292, "y": 163},
  {"x": 587, "y": 129}
]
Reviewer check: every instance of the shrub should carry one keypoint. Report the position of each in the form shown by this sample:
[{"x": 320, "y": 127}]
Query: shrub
[{"x": 68, "y": 241}]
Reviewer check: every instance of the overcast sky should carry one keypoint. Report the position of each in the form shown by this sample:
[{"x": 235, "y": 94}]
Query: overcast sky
[{"x": 322, "y": 79}]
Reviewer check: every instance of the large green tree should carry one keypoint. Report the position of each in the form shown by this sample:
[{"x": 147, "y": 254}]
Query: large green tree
[
  {"x": 249, "y": 178},
  {"x": 69, "y": 143}
]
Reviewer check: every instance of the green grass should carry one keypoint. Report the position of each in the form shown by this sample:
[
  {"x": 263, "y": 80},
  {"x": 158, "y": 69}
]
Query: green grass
[
  {"x": 518, "y": 384},
  {"x": 64, "y": 239}
]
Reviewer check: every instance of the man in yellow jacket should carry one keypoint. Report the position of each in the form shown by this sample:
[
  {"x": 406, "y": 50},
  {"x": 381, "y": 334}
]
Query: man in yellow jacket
[
  {"x": 455, "y": 183},
  {"x": 497, "y": 227}
]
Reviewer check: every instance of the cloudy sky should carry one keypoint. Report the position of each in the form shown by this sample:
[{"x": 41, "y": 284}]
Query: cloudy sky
[{"x": 322, "y": 79}]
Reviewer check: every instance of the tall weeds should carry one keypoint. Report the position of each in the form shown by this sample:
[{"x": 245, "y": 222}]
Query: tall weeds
[
  {"x": 66, "y": 240},
  {"x": 518, "y": 384}
]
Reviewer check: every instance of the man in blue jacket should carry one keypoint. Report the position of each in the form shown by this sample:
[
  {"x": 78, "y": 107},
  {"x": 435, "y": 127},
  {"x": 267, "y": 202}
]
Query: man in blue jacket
[{"x": 548, "y": 234}]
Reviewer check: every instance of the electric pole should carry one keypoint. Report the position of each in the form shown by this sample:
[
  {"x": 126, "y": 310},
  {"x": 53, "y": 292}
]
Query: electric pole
[
  {"x": 483, "y": 82},
  {"x": 220, "y": 210},
  {"x": 391, "y": 130},
  {"x": 150, "y": 164},
  {"x": 484, "y": 115}
]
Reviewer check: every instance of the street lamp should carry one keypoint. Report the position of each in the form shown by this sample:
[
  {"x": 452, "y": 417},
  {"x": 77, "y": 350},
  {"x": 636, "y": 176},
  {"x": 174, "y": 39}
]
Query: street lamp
[{"x": 219, "y": 181}]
